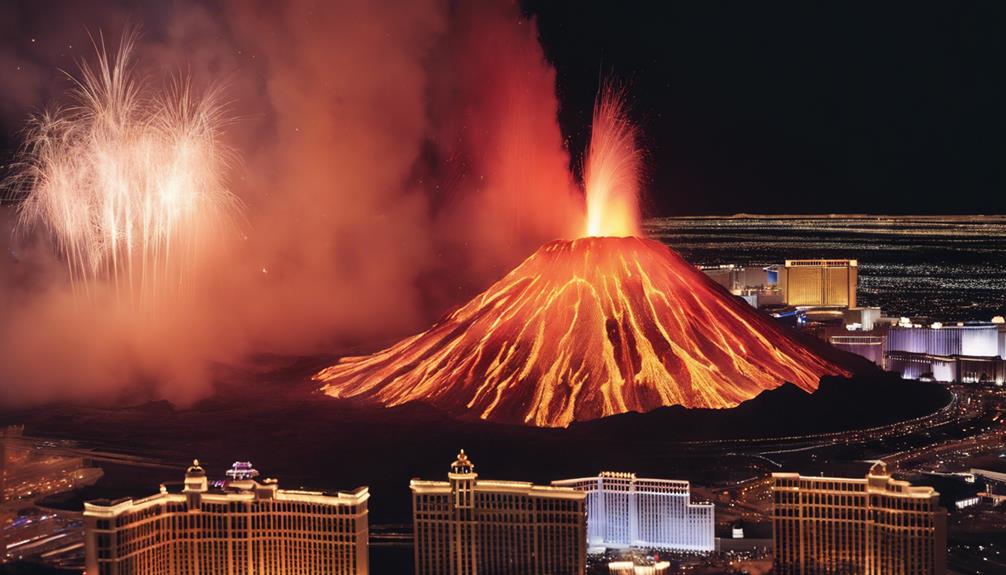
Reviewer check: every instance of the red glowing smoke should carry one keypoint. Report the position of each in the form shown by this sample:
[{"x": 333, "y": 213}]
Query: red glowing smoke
[
  {"x": 504, "y": 182},
  {"x": 391, "y": 154}
]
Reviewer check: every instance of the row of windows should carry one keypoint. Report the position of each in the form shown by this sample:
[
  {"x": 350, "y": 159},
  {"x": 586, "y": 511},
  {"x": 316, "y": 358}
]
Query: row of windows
[
  {"x": 668, "y": 521},
  {"x": 500, "y": 501},
  {"x": 854, "y": 514},
  {"x": 220, "y": 558},
  {"x": 257, "y": 508},
  {"x": 829, "y": 546},
  {"x": 815, "y": 484},
  {"x": 458, "y": 548}
]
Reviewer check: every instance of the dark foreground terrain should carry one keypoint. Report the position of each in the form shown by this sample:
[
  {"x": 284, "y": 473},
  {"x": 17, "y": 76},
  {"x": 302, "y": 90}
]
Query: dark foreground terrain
[{"x": 307, "y": 439}]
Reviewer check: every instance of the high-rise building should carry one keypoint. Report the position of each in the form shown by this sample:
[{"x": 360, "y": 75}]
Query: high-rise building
[
  {"x": 820, "y": 283},
  {"x": 871, "y": 526},
  {"x": 227, "y": 527},
  {"x": 472, "y": 526},
  {"x": 626, "y": 511}
]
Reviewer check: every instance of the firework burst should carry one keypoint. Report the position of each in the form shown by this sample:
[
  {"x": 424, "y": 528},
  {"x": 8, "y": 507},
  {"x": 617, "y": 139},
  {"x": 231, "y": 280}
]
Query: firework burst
[{"x": 127, "y": 180}]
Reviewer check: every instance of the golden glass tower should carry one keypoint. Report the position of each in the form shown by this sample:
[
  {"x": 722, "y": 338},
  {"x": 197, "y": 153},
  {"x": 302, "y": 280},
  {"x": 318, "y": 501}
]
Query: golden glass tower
[{"x": 820, "y": 283}]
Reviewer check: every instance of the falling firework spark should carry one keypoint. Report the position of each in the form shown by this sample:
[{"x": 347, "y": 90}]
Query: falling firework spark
[
  {"x": 612, "y": 168},
  {"x": 127, "y": 182}
]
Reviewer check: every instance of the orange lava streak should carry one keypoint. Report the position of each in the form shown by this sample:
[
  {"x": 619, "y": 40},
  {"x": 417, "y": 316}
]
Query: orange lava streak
[{"x": 584, "y": 329}]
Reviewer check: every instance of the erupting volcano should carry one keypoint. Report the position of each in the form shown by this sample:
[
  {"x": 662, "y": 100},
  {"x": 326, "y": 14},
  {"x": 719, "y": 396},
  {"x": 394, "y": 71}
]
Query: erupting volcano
[{"x": 589, "y": 327}]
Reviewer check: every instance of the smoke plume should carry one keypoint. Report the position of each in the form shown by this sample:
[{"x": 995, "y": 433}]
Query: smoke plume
[{"x": 395, "y": 157}]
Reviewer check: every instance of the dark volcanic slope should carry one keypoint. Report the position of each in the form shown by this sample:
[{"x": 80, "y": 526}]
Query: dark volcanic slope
[{"x": 585, "y": 329}]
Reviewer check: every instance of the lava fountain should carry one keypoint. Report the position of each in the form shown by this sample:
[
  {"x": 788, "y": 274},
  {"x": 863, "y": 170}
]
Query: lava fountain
[
  {"x": 127, "y": 180},
  {"x": 590, "y": 327},
  {"x": 611, "y": 172}
]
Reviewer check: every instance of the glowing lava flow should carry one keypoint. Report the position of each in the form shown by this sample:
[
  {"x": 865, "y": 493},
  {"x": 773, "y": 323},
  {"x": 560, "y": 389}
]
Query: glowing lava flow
[
  {"x": 126, "y": 183},
  {"x": 590, "y": 327},
  {"x": 611, "y": 171},
  {"x": 583, "y": 329}
]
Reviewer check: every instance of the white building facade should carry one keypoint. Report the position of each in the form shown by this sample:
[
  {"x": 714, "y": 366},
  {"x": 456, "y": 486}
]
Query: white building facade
[
  {"x": 626, "y": 511},
  {"x": 966, "y": 353},
  {"x": 978, "y": 340}
]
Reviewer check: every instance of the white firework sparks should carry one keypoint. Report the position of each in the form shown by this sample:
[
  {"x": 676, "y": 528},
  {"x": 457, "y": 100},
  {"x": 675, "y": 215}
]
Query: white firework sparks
[{"x": 127, "y": 181}]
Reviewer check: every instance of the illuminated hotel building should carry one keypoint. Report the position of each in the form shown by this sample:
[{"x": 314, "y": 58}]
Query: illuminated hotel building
[
  {"x": 471, "y": 526},
  {"x": 236, "y": 526},
  {"x": 968, "y": 353},
  {"x": 626, "y": 511},
  {"x": 976, "y": 339},
  {"x": 820, "y": 283},
  {"x": 871, "y": 526}
]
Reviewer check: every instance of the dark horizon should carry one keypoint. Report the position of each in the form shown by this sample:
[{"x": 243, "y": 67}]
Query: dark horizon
[{"x": 793, "y": 107}]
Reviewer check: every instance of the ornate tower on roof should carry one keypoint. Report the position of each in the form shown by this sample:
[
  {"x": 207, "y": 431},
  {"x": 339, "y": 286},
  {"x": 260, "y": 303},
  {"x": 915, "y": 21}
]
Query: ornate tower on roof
[
  {"x": 470, "y": 526},
  {"x": 878, "y": 478},
  {"x": 195, "y": 484},
  {"x": 462, "y": 478},
  {"x": 879, "y": 468}
]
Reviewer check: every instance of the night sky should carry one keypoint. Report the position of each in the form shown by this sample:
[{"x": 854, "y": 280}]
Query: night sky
[
  {"x": 797, "y": 107},
  {"x": 783, "y": 107}
]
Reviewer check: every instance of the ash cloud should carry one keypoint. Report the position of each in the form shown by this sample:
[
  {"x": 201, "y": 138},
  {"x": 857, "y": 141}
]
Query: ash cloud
[{"x": 396, "y": 158}]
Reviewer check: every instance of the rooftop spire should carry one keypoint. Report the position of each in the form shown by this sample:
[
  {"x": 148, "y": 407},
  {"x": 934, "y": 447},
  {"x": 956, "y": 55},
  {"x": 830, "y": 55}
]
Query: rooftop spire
[
  {"x": 195, "y": 468},
  {"x": 462, "y": 464}
]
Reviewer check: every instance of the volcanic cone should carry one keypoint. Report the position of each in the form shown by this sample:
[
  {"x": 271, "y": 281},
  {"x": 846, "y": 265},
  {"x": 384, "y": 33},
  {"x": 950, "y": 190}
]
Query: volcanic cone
[{"x": 583, "y": 329}]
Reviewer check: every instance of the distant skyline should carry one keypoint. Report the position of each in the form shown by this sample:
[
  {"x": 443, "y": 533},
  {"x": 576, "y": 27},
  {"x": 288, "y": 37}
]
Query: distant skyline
[{"x": 794, "y": 107}]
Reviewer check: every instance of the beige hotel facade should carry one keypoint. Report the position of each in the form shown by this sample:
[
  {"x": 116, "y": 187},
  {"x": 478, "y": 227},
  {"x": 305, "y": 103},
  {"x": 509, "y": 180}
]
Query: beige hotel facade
[
  {"x": 472, "y": 526},
  {"x": 238, "y": 526},
  {"x": 870, "y": 526}
]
